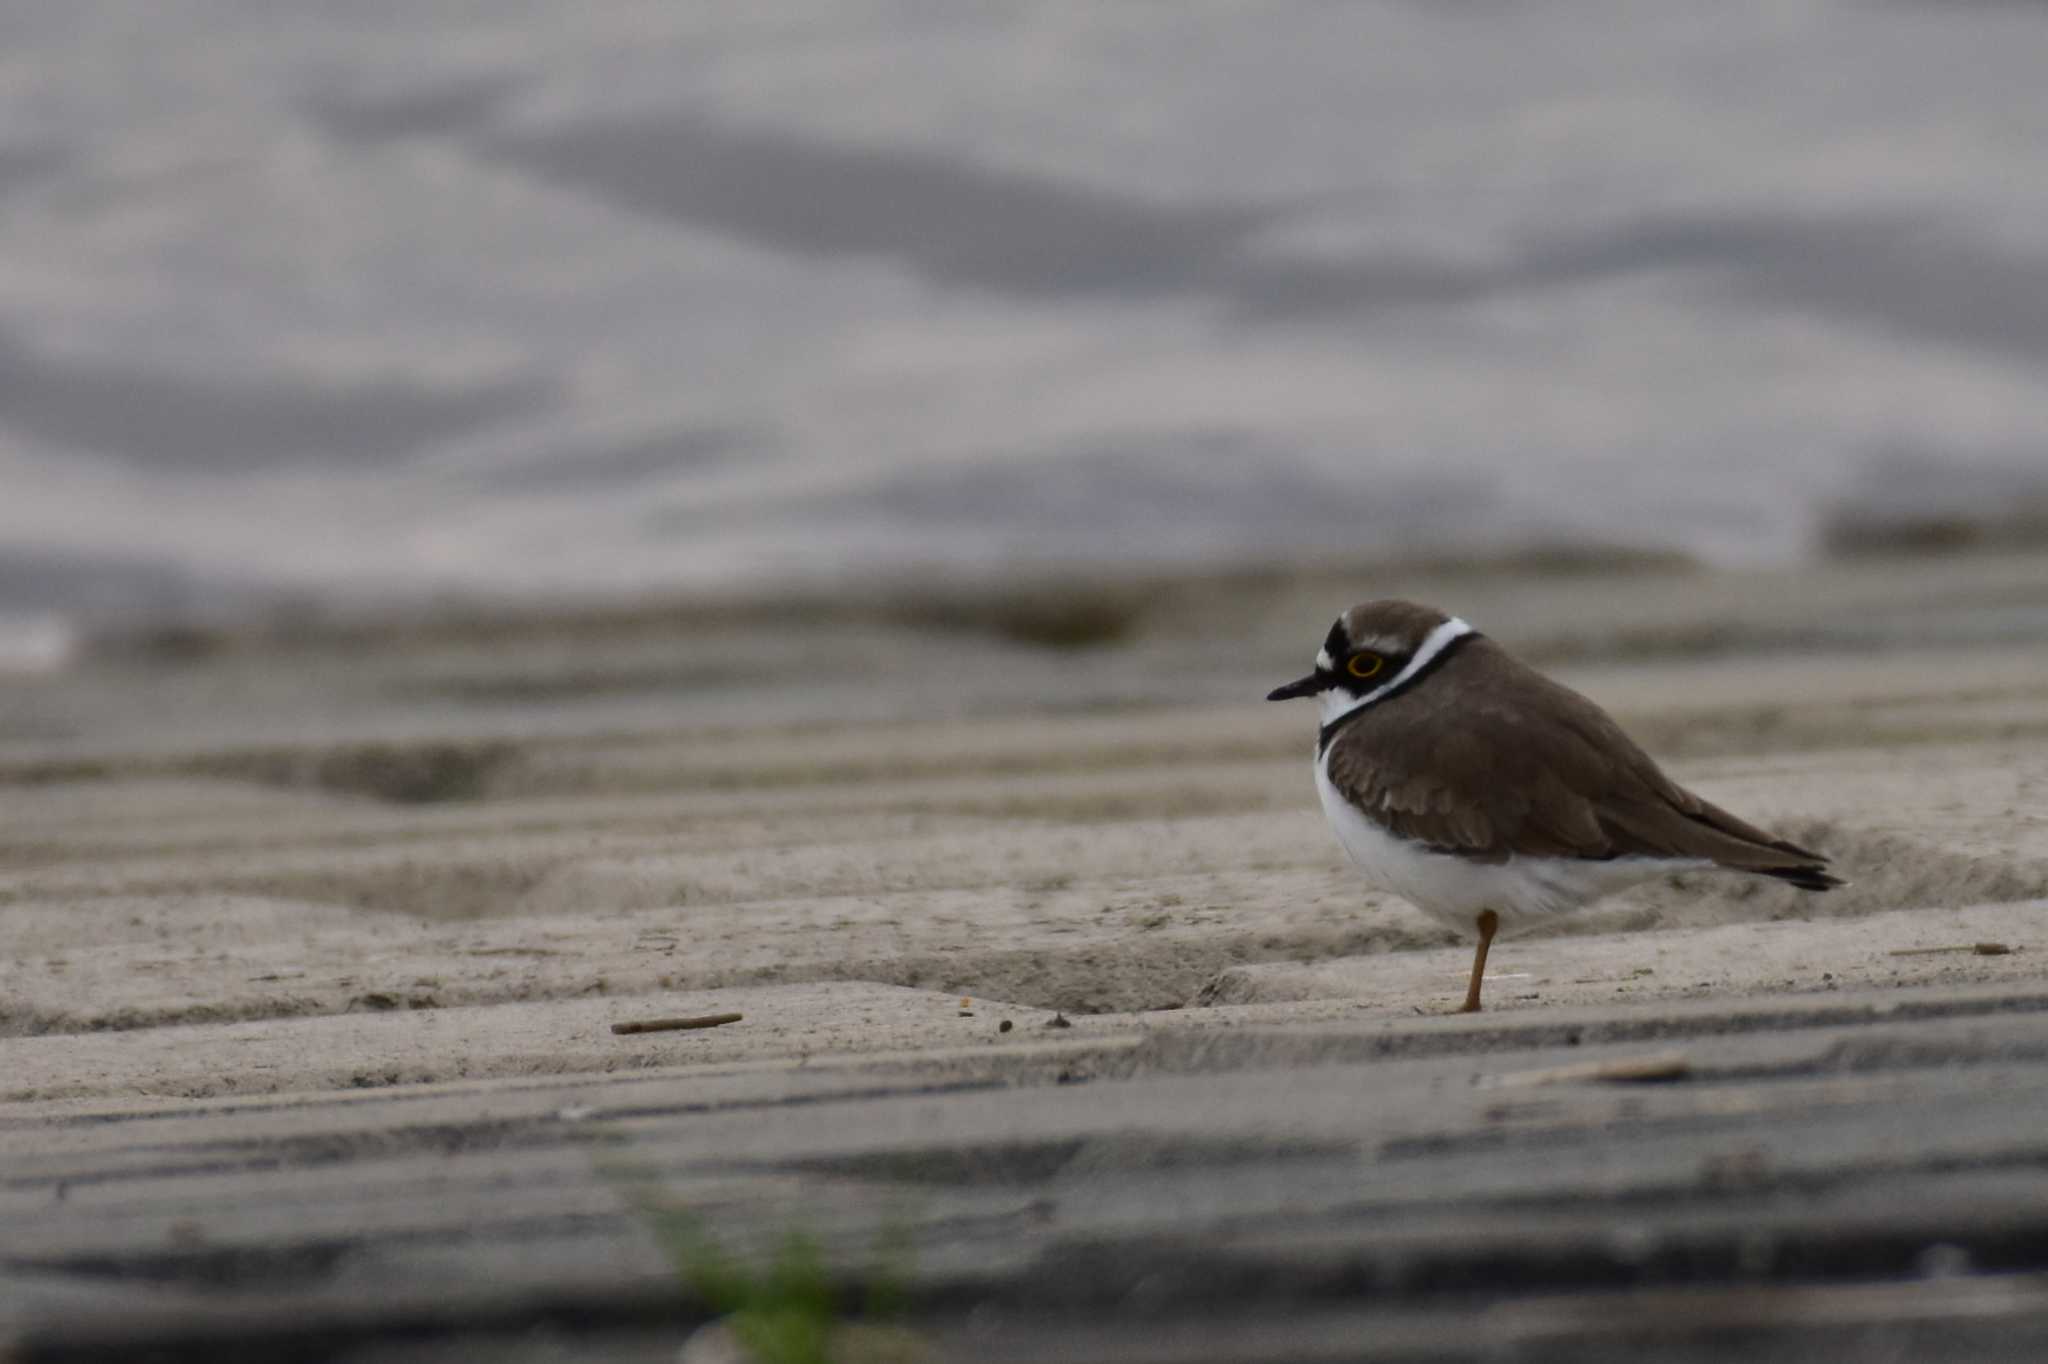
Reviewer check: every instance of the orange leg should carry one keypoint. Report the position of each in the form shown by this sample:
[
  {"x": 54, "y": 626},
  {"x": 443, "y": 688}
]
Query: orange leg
[{"x": 1489, "y": 924}]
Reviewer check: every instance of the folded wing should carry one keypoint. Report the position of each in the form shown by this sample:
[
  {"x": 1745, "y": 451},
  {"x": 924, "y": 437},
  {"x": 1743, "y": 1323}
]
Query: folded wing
[{"x": 1536, "y": 770}]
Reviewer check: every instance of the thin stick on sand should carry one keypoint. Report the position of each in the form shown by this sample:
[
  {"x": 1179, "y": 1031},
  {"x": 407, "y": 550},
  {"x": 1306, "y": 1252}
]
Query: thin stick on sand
[
  {"x": 1982, "y": 949},
  {"x": 677, "y": 1024},
  {"x": 1626, "y": 1070}
]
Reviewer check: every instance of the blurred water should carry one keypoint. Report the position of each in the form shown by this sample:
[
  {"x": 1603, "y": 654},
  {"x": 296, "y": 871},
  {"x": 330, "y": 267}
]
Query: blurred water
[{"x": 406, "y": 297}]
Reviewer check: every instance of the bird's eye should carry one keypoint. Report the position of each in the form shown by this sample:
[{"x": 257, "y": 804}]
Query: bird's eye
[{"x": 1364, "y": 665}]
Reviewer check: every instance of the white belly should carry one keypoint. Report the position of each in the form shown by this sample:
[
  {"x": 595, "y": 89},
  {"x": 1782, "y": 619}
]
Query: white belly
[{"x": 1522, "y": 890}]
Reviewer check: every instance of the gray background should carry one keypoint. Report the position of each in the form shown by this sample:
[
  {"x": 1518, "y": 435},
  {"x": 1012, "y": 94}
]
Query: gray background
[{"x": 427, "y": 296}]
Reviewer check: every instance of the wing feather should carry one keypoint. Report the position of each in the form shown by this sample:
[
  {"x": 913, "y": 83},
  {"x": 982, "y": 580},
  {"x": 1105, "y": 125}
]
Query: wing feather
[{"x": 1533, "y": 769}]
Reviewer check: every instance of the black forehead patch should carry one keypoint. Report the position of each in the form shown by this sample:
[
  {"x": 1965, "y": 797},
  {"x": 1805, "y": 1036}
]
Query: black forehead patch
[{"x": 1337, "y": 644}]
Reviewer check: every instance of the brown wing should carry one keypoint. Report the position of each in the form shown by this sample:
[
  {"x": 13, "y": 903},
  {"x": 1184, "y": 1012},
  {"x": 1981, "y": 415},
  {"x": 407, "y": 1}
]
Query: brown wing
[{"x": 1490, "y": 759}]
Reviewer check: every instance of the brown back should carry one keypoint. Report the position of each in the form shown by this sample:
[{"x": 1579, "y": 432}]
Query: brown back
[{"x": 1491, "y": 759}]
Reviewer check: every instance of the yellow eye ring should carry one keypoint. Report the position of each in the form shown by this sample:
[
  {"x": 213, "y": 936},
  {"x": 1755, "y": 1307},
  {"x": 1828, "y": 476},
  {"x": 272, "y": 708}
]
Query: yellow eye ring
[{"x": 1363, "y": 666}]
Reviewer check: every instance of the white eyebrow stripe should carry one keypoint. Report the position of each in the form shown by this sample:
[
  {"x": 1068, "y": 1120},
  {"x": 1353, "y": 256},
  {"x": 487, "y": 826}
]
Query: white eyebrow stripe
[
  {"x": 1437, "y": 641},
  {"x": 1384, "y": 644}
]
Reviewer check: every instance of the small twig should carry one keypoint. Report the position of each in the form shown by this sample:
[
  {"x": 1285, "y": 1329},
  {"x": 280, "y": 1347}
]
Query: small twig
[
  {"x": 1982, "y": 949},
  {"x": 1628, "y": 1070},
  {"x": 677, "y": 1024}
]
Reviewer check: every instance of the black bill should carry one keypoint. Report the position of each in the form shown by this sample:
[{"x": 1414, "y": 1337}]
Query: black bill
[{"x": 1307, "y": 686}]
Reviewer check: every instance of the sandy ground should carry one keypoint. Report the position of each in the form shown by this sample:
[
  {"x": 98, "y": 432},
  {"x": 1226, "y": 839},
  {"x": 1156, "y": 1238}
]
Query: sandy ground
[
  {"x": 371, "y": 883},
  {"x": 840, "y": 1020},
  {"x": 310, "y": 952}
]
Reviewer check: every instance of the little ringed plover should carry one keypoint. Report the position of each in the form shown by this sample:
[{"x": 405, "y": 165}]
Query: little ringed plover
[{"x": 1489, "y": 796}]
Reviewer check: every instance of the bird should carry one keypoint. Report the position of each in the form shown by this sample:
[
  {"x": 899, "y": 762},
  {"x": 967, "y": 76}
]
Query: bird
[{"x": 1490, "y": 796}]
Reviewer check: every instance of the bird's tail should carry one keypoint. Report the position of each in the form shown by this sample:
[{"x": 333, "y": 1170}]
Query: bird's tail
[
  {"x": 1810, "y": 877},
  {"x": 1684, "y": 825}
]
